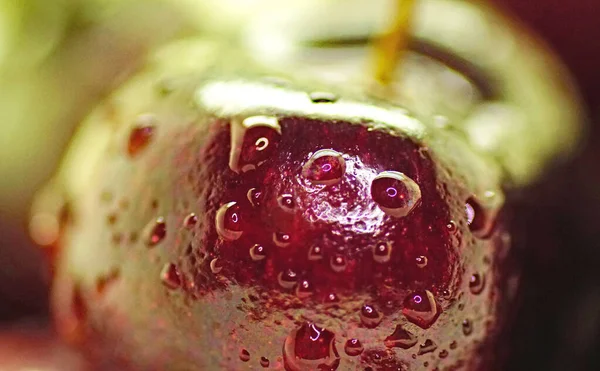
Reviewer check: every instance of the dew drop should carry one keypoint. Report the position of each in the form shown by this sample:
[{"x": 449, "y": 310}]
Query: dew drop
[
  {"x": 453, "y": 345},
  {"x": 315, "y": 253},
  {"x": 395, "y": 193},
  {"x": 427, "y": 347},
  {"x": 400, "y": 338},
  {"x": 325, "y": 167},
  {"x": 310, "y": 348},
  {"x": 470, "y": 213},
  {"x": 281, "y": 239},
  {"x": 338, "y": 263},
  {"x": 370, "y": 316},
  {"x": 190, "y": 221},
  {"x": 141, "y": 135},
  {"x": 467, "y": 327},
  {"x": 421, "y": 308},
  {"x": 216, "y": 265},
  {"x": 257, "y": 252},
  {"x": 287, "y": 279},
  {"x": 286, "y": 202},
  {"x": 170, "y": 276},
  {"x": 229, "y": 221},
  {"x": 253, "y": 142},
  {"x": 156, "y": 231},
  {"x": 322, "y": 97},
  {"x": 476, "y": 283},
  {"x": 254, "y": 196},
  {"x": 304, "y": 289},
  {"x": 382, "y": 252},
  {"x": 244, "y": 355},
  {"x": 264, "y": 361},
  {"x": 443, "y": 354},
  {"x": 331, "y": 299},
  {"x": 353, "y": 347},
  {"x": 421, "y": 261},
  {"x": 479, "y": 223},
  {"x": 451, "y": 227}
]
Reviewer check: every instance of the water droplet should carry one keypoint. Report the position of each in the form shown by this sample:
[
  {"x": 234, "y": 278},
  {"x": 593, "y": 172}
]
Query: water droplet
[
  {"x": 254, "y": 196},
  {"x": 470, "y": 213},
  {"x": 190, "y": 221},
  {"x": 281, "y": 239},
  {"x": 467, "y": 327},
  {"x": 170, "y": 276},
  {"x": 331, "y": 298},
  {"x": 338, "y": 263},
  {"x": 141, "y": 134},
  {"x": 287, "y": 279},
  {"x": 325, "y": 166},
  {"x": 286, "y": 201},
  {"x": 304, "y": 289},
  {"x": 421, "y": 308},
  {"x": 257, "y": 252},
  {"x": 310, "y": 348},
  {"x": 421, "y": 261},
  {"x": 156, "y": 231},
  {"x": 444, "y": 354},
  {"x": 370, "y": 316},
  {"x": 453, "y": 344},
  {"x": 315, "y": 253},
  {"x": 427, "y": 347},
  {"x": 216, "y": 265},
  {"x": 476, "y": 283},
  {"x": 400, "y": 338},
  {"x": 264, "y": 361},
  {"x": 451, "y": 227},
  {"x": 244, "y": 355},
  {"x": 479, "y": 223},
  {"x": 253, "y": 142},
  {"x": 322, "y": 97},
  {"x": 395, "y": 193},
  {"x": 353, "y": 347},
  {"x": 382, "y": 252},
  {"x": 229, "y": 221}
]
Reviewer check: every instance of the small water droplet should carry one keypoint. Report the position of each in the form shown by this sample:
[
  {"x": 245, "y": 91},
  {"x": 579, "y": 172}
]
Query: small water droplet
[
  {"x": 170, "y": 276},
  {"x": 141, "y": 134},
  {"x": 322, "y": 97},
  {"x": 325, "y": 167},
  {"x": 229, "y": 221},
  {"x": 427, "y": 347},
  {"x": 451, "y": 227},
  {"x": 254, "y": 196},
  {"x": 453, "y": 344},
  {"x": 252, "y": 142},
  {"x": 257, "y": 252},
  {"x": 400, "y": 338},
  {"x": 264, "y": 361},
  {"x": 338, "y": 263},
  {"x": 467, "y": 327},
  {"x": 190, "y": 221},
  {"x": 287, "y": 279},
  {"x": 382, "y": 252},
  {"x": 421, "y": 308},
  {"x": 156, "y": 231},
  {"x": 216, "y": 265},
  {"x": 353, "y": 347},
  {"x": 331, "y": 298},
  {"x": 476, "y": 283},
  {"x": 395, "y": 193},
  {"x": 244, "y": 355},
  {"x": 444, "y": 354},
  {"x": 370, "y": 316},
  {"x": 304, "y": 289},
  {"x": 286, "y": 202},
  {"x": 281, "y": 239},
  {"x": 315, "y": 253},
  {"x": 310, "y": 348},
  {"x": 421, "y": 261}
]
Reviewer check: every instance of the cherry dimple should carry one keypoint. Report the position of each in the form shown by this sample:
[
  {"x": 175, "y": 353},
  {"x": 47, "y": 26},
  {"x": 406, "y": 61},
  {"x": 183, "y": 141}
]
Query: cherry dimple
[{"x": 395, "y": 193}]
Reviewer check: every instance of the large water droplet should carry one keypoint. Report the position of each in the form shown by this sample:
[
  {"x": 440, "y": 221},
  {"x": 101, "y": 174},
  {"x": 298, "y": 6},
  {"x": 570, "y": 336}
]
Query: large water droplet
[
  {"x": 253, "y": 141},
  {"x": 325, "y": 166},
  {"x": 170, "y": 276},
  {"x": 287, "y": 279},
  {"x": 353, "y": 347},
  {"x": 244, "y": 355},
  {"x": 476, "y": 283},
  {"x": 257, "y": 252},
  {"x": 338, "y": 263},
  {"x": 427, "y": 347},
  {"x": 264, "y": 361},
  {"x": 370, "y": 316},
  {"x": 310, "y": 348},
  {"x": 156, "y": 231},
  {"x": 395, "y": 193},
  {"x": 400, "y": 338},
  {"x": 421, "y": 308},
  {"x": 229, "y": 221},
  {"x": 141, "y": 134},
  {"x": 382, "y": 252}
]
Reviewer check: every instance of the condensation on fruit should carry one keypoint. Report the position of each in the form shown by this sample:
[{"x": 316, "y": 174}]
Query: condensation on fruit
[
  {"x": 353, "y": 347},
  {"x": 253, "y": 141},
  {"x": 310, "y": 348},
  {"x": 229, "y": 221},
  {"x": 156, "y": 231},
  {"x": 421, "y": 308},
  {"x": 400, "y": 338},
  {"x": 370, "y": 316},
  {"x": 170, "y": 276},
  {"x": 395, "y": 193},
  {"x": 325, "y": 167},
  {"x": 427, "y": 347}
]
